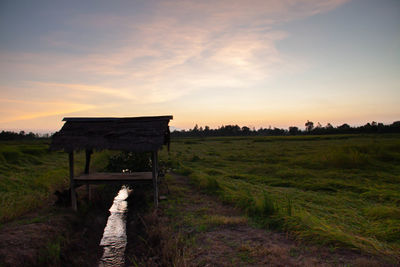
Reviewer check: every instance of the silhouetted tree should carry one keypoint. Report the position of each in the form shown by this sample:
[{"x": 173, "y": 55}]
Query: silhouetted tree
[
  {"x": 309, "y": 126},
  {"x": 293, "y": 130},
  {"x": 235, "y": 130},
  {"x": 395, "y": 124},
  {"x": 7, "y": 135},
  {"x": 245, "y": 130},
  {"x": 329, "y": 126},
  {"x": 344, "y": 126}
]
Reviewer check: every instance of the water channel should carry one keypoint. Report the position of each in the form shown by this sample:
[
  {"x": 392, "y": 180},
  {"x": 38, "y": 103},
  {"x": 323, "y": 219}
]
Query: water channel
[{"x": 114, "y": 239}]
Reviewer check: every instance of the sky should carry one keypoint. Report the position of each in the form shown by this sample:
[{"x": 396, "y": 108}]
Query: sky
[{"x": 257, "y": 63}]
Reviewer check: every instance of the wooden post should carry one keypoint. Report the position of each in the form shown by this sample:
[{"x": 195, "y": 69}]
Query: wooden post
[
  {"x": 88, "y": 154},
  {"x": 154, "y": 160},
  {"x": 71, "y": 181}
]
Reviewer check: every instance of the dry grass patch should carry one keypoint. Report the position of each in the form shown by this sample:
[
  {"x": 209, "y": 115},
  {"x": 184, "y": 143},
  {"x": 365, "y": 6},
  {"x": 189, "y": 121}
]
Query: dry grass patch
[{"x": 219, "y": 220}]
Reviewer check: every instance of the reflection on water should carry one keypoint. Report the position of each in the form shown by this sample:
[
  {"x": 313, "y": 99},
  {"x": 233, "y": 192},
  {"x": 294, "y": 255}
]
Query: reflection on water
[{"x": 114, "y": 237}]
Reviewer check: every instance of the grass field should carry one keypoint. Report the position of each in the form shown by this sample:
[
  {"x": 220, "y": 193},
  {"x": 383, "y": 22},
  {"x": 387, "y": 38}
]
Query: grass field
[
  {"x": 341, "y": 191},
  {"x": 29, "y": 175}
]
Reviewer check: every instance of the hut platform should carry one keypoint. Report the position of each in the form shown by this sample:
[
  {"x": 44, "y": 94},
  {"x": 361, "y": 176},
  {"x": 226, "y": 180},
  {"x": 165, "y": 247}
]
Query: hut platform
[{"x": 118, "y": 178}]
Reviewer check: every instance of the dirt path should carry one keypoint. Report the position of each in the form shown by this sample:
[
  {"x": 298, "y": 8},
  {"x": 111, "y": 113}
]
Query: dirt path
[{"x": 210, "y": 233}]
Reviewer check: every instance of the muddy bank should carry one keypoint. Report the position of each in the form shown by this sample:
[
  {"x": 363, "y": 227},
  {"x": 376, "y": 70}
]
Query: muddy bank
[
  {"x": 141, "y": 248},
  {"x": 57, "y": 236},
  {"x": 151, "y": 238}
]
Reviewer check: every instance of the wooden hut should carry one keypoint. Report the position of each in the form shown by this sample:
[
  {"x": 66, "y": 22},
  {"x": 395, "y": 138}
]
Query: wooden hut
[{"x": 133, "y": 134}]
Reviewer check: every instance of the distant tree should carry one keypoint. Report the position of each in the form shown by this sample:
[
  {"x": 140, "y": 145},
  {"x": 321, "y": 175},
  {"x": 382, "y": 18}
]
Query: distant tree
[
  {"x": 7, "y": 135},
  {"x": 395, "y": 127},
  {"x": 293, "y": 130},
  {"x": 235, "y": 130},
  {"x": 278, "y": 131},
  {"x": 395, "y": 124},
  {"x": 309, "y": 126},
  {"x": 329, "y": 126},
  {"x": 245, "y": 130},
  {"x": 344, "y": 126},
  {"x": 328, "y": 129}
]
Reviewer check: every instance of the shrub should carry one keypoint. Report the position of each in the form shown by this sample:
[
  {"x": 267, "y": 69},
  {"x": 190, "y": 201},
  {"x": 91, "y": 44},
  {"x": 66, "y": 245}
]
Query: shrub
[{"x": 129, "y": 161}]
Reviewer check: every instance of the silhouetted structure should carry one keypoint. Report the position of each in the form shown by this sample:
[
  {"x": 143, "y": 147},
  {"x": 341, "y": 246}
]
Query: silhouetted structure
[{"x": 137, "y": 134}]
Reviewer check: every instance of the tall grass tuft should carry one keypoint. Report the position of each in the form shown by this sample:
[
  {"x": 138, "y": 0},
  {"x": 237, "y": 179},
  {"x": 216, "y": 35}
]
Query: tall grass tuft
[
  {"x": 212, "y": 186},
  {"x": 266, "y": 206}
]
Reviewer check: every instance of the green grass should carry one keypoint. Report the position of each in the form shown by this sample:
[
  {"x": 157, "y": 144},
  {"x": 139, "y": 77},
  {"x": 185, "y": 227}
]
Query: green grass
[
  {"x": 50, "y": 255},
  {"x": 336, "y": 190},
  {"x": 29, "y": 175}
]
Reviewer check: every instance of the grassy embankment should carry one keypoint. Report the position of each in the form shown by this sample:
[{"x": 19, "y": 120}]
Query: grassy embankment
[
  {"x": 341, "y": 191},
  {"x": 29, "y": 175}
]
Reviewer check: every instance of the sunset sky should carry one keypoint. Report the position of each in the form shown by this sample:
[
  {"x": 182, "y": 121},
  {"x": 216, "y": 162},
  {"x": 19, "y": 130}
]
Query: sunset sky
[{"x": 250, "y": 62}]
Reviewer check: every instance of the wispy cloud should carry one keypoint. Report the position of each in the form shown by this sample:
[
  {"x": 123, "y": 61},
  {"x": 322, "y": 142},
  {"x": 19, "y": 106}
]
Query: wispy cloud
[
  {"x": 16, "y": 110},
  {"x": 177, "y": 48}
]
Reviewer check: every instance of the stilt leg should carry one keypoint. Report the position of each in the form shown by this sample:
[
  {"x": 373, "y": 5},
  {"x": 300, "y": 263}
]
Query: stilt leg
[
  {"x": 155, "y": 174},
  {"x": 71, "y": 180}
]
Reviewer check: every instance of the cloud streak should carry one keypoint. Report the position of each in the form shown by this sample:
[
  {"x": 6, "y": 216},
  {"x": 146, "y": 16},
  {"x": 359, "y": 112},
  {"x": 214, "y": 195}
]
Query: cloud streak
[
  {"x": 16, "y": 110},
  {"x": 177, "y": 48}
]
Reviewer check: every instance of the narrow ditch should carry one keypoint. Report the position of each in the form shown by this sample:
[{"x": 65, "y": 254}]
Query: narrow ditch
[
  {"x": 80, "y": 247},
  {"x": 125, "y": 240},
  {"x": 114, "y": 238},
  {"x": 112, "y": 230}
]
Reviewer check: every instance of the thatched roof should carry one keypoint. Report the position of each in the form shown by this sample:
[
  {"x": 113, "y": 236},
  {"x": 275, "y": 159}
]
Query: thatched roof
[{"x": 136, "y": 134}]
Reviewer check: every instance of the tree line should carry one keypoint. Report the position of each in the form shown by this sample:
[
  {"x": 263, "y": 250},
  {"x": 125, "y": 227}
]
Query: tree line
[
  {"x": 235, "y": 130},
  {"x": 310, "y": 129},
  {"x": 11, "y": 136}
]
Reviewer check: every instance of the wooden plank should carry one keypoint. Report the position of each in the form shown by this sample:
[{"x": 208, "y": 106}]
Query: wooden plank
[
  {"x": 136, "y": 178},
  {"x": 113, "y": 182},
  {"x": 72, "y": 182},
  {"x": 113, "y": 176}
]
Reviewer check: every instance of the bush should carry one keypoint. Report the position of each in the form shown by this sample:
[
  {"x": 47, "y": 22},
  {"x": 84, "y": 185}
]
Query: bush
[{"x": 130, "y": 162}]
